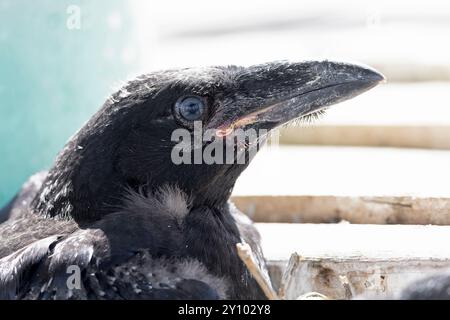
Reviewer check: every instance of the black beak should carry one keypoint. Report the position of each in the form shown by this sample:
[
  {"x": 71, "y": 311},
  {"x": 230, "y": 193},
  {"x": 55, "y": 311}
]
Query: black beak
[{"x": 275, "y": 93}]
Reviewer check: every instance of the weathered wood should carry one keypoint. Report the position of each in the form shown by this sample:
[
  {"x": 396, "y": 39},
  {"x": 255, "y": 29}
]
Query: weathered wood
[
  {"x": 360, "y": 185},
  {"x": 361, "y": 210},
  {"x": 344, "y": 171},
  {"x": 413, "y": 136},
  {"x": 343, "y": 261}
]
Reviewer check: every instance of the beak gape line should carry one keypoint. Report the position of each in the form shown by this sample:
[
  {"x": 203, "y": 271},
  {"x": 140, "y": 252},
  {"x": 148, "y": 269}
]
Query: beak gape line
[{"x": 217, "y": 146}]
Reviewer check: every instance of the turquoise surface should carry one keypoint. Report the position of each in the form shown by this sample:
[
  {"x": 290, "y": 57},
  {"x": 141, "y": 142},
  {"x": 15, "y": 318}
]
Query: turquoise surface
[{"x": 53, "y": 78}]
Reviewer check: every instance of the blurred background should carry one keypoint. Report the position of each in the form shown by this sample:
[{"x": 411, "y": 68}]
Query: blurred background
[{"x": 59, "y": 60}]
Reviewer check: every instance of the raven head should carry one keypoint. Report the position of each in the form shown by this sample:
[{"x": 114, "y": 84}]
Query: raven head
[{"x": 135, "y": 138}]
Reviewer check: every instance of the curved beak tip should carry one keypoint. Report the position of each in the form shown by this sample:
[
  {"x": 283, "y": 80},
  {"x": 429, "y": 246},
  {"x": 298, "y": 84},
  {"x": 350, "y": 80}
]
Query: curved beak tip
[
  {"x": 374, "y": 75},
  {"x": 378, "y": 77}
]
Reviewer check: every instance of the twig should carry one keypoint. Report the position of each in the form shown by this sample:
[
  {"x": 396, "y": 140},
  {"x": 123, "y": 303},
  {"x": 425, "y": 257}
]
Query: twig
[{"x": 246, "y": 255}]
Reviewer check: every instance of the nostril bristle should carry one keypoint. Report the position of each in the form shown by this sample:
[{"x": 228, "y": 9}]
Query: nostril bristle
[{"x": 307, "y": 119}]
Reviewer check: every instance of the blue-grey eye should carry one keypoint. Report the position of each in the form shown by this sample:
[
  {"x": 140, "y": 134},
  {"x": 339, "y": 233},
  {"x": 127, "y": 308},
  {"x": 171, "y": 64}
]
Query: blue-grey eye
[{"x": 190, "y": 108}]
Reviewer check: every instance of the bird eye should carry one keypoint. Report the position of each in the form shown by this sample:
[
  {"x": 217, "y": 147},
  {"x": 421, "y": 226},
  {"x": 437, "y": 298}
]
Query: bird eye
[{"x": 190, "y": 108}]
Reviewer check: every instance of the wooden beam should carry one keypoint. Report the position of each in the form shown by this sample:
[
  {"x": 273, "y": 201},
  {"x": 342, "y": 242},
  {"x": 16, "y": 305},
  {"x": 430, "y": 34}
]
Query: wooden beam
[
  {"x": 360, "y": 185},
  {"x": 344, "y": 261},
  {"x": 360, "y": 210},
  {"x": 406, "y": 136},
  {"x": 394, "y": 115}
]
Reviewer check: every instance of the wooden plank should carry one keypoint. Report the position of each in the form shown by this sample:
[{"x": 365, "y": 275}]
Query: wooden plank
[
  {"x": 414, "y": 136},
  {"x": 393, "y": 115},
  {"x": 360, "y": 210},
  {"x": 360, "y": 185},
  {"x": 346, "y": 171},
  {"x": 375, "y": 260}
]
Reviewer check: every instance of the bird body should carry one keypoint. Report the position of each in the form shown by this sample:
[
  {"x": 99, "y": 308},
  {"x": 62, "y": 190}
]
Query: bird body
[
  {"x": 172, "y": 245},
  {"x": 117, "y": 218}
]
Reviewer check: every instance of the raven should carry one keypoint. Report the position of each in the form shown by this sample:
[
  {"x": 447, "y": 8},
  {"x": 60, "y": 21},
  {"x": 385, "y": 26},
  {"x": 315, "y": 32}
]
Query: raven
[{"x": 117, "y": 218}]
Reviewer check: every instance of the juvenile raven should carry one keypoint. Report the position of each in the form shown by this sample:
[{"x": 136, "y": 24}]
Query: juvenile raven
[{"x": 117, "y": 218}]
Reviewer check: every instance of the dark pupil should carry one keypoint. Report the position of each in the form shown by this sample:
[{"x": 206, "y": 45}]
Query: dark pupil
[{"x": 191, "y": 109}]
